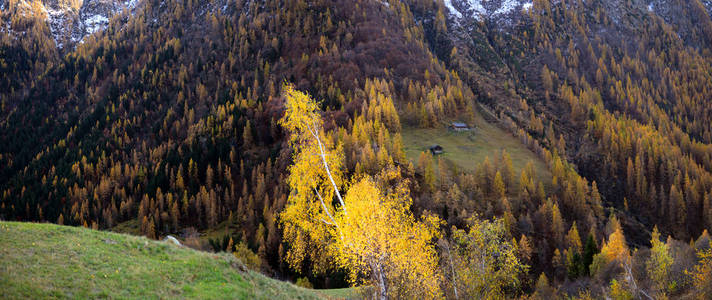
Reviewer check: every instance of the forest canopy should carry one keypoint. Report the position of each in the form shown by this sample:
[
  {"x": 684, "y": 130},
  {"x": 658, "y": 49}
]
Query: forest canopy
[{"x": 282, "y": 131}]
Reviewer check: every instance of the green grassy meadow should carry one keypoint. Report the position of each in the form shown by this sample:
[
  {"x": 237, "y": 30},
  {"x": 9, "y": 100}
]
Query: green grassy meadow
[
  {"x": 46, "y": 261},
  {"x": 467, "y": 149}
]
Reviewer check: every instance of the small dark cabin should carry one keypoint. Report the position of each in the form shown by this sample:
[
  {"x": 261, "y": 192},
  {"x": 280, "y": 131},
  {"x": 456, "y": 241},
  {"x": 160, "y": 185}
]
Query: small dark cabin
[{"x": 436, "y": 149}]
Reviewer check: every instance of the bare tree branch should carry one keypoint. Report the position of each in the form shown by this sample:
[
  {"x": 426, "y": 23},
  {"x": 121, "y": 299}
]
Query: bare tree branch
[
  {"x": 452, "y": 269},
  {"x": 629, "y": 276}
]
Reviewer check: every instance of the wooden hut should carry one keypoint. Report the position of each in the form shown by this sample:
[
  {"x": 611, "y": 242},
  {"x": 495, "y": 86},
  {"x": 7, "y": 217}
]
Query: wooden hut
[{"x": 459, "y": 126}]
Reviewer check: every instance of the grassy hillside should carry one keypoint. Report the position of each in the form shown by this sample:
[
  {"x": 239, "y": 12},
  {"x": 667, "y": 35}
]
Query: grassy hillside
[
  {"x": 467, "y": 149},
  {"x": 40, "y": 261}
]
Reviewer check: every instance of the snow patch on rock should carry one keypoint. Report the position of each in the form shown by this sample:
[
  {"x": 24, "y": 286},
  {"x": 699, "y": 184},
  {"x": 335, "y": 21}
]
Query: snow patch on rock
[
  {"x": 527, "y": 6},
  {"x": 455, "y": 12},
  {"x": 477, "y": 8},
  {"x": 70, "y": 22},
  {"x": 95, "y": 23},
  {"x": 57, "y": 18},
  {"x": 498, "y": 10},
  {"x": 506, "y": 7}
]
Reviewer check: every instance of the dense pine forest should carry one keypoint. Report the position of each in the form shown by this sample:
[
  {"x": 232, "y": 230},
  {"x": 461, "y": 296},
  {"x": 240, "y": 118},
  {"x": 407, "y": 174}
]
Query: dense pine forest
[{"x": 290, "y": 133}]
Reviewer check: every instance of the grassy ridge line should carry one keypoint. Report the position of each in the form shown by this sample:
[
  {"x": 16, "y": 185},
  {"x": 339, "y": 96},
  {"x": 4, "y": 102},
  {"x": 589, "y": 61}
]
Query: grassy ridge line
[{"x": 39, "y": 261}]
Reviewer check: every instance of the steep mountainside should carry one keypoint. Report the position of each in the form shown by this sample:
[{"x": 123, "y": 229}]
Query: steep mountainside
[
  {"x": 163, "y": 115},
  {"x": 170, "y": 119},
  {"x": 571, "y": 65}
]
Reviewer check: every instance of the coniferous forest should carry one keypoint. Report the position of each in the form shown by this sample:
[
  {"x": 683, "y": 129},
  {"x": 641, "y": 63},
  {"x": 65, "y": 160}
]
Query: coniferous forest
[{"x": 296, "y": 136}]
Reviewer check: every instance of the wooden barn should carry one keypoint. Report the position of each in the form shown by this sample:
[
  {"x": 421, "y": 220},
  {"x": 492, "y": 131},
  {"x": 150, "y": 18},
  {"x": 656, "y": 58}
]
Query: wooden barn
[{"x": 459, "y": 126}]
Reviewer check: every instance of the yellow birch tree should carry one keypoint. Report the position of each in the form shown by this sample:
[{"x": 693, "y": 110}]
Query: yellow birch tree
[
  {"x": 701, "y": 274},
  {"x": 485, "y": 262},
  {"x": 370, "y": 231}
]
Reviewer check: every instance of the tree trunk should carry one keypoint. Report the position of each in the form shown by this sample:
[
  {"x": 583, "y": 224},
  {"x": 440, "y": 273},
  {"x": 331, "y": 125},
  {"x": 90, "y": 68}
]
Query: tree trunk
[{"x": 381, "y": 291}]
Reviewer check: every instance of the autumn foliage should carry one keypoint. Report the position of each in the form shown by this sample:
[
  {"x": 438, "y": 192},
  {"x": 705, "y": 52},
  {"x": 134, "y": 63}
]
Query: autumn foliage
[{"x": 370, "y": 232}]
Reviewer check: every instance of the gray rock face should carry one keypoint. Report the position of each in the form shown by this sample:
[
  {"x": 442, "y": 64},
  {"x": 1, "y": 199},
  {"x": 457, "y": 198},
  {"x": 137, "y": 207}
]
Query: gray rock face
[
  {"x": 627, "y": 17},
  {"x": 70, "y": 21},
  {"x": 491, "y": 10},
  {"x": 94, "y": 15},
  {"x": 173, "y": 240},
  {"x": 504, "y": 12}
]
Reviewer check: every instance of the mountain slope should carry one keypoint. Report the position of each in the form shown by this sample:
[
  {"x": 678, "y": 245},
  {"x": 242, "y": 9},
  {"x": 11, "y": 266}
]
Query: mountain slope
[
  {"x": 181, "y": 102},
  {"x": 168, "y": 121},
  {"x": 50, "y": 261},
  {"x": 571, "y": 69}
]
